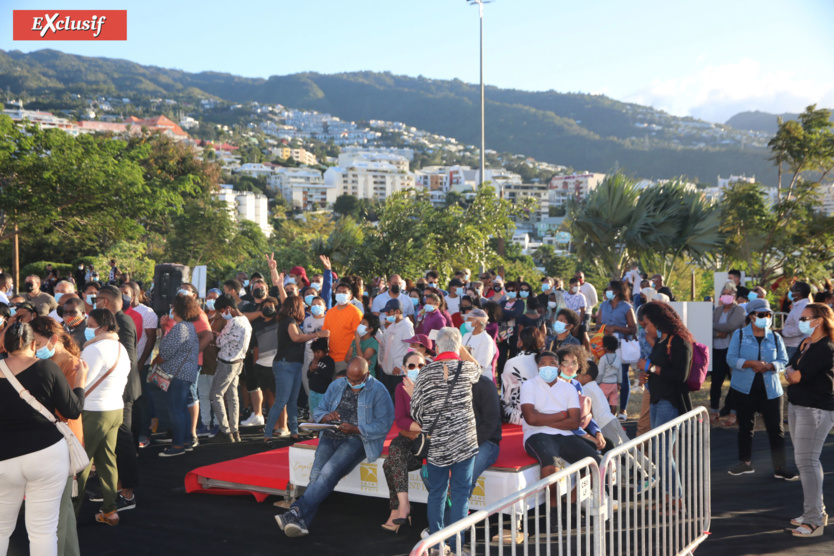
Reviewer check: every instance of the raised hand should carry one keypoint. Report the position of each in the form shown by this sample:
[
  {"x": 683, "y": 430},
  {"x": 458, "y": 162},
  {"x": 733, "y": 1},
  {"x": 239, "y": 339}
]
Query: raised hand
[
  {"x": 325, "y": 262},
  {"x": 271, "y": 263}
]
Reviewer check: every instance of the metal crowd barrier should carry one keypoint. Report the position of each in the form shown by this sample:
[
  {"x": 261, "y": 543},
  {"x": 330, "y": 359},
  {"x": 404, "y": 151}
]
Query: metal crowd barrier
[
  {"x": 570, "y": 527},
  {"x": 633, "y": 503},
  {"x": 662, "y": 509}
]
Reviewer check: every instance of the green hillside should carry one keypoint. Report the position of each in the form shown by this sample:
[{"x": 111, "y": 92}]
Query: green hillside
[{"x": 586, "y": 132}]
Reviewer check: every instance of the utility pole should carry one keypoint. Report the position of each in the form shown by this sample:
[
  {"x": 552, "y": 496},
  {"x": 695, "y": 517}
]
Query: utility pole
[{"x": 480, "y": 4}]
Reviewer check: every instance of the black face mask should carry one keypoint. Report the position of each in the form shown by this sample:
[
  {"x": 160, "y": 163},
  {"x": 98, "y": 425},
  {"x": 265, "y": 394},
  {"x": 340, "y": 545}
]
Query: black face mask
[
  {"x": 395, "y": 289},
  {"x": 421, "y": 287},
  {"x": 259, "y": 293},
  {"x": 269, "y": 312},
  {"x": 497, "y": 287},
  {"x": 27, "y": 287}
]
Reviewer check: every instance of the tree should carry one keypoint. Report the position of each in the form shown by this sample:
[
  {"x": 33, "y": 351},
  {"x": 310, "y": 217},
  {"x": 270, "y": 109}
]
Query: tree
[{"x": 346, "y": 205}]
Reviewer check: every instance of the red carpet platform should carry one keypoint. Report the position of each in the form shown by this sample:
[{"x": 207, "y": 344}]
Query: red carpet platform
[{"x": 269, "y": 473}]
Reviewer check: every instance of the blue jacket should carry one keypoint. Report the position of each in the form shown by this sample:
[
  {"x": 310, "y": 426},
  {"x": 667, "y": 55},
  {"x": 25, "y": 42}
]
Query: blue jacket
[
  {"x": 375, "y": 412},
  {"x": 773, "y": 351},
  {"x": 592, "y": 428}
]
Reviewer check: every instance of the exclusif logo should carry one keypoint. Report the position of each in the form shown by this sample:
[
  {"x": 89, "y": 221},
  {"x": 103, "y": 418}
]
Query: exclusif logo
[{"x": 70, "y": 25}]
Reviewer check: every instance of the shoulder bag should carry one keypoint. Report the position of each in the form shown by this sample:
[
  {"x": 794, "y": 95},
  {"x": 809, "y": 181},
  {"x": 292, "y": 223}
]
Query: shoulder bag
[
  {"x": 420, "y": 445},
  {"x": 78, "y": 456}
]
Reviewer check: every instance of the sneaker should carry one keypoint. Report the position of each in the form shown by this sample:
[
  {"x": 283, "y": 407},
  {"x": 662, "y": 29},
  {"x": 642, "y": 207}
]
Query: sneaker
[
  {"x": 94, "y": 495},
  {"x": 424, "y": 534},
  {"x": 171, "y": 452},
  {"x": 295, "y": 526},
  {"x": 214, "y": 430},
  {"x": 646, "y": 485},
  {"x": 283, "y": 519},
  {"x": 253, "y": 421},
  {"x": 189, "y": 446},
  {"x": 622, "y": 416},
  {"x": 785, "y": 475},
  {"x": 144, "y": 442},
  {"x": 236, "y": 436},
  {"x": 123, "y": 504},
  {"x": 741, "y": 469},
  {"x": 203, "y": 430},
  {"x": 221, "y": 438}
]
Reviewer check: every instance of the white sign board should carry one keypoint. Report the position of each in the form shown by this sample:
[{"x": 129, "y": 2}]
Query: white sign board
[
  {"x": 198, "y": 278},
  {"x": 697, "y": 316}
]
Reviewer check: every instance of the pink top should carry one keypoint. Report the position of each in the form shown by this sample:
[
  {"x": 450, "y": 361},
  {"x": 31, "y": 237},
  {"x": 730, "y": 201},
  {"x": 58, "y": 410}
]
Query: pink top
[{"x": 402, "y": 408}]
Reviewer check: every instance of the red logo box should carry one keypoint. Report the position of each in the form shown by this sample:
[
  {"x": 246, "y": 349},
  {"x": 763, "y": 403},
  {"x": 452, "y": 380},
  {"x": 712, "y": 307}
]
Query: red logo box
[{"x": 70, "y": 25}]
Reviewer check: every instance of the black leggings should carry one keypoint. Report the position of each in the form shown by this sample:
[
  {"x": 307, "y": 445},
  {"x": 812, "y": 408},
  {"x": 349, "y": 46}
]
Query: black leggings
[
  {"x": 747, "y": 405},
  {"x": 721, "y": 371}
]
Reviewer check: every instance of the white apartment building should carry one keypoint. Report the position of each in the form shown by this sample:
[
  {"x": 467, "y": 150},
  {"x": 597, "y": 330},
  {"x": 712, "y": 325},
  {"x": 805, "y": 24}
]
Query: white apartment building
[
  {"x": 826, "y": 194},
  {"x": 353, "y": 156},
  {"x": 725, "y": 182},
  {"x": 246, "y": 205},
  {"x": 44, "y": 120},
  {"x": 574, "y": 186},
  {"x": 404, "y": 152},
  {"x": 256, "y": 170},
  {"x": 304, "y": 188},
  {"x": 516, "y": 192},
  {"x": 368, "y": 180}
]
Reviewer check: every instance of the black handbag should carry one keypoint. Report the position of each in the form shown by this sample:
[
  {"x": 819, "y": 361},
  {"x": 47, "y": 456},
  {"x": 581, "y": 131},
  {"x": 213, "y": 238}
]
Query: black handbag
[{"x": 420, "y": 445}]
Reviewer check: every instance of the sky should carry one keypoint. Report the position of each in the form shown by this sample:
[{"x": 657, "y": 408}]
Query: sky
[{"x": 709, "y": 59}]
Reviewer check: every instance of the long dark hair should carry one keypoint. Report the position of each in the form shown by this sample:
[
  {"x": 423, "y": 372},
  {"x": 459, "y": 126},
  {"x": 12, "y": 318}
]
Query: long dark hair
[
  {"x": 621, "y": 292},
  {"x": 665, "y": 319},
  {"x": 293, "y": 308},
  {"x": 18, "y": 336}
]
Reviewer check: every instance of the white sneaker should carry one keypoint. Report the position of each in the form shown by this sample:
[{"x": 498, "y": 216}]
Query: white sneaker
[
  {"x": 253, "y": 421},
  {"x": 622, "y": 416}
]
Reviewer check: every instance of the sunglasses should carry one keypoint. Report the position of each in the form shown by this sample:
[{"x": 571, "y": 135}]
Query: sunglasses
[
  {"x": 765, "y": 315},
  {"x": 412, "y": 366},
  {"x": 569, "y": 363},
  {"x": 806, "y": 319}
]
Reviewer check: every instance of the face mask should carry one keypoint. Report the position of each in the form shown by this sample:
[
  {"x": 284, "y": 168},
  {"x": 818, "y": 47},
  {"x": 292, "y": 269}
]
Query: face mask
[
  {"x": 81, "y": 267},
  {"x": 549, "y": 374},
  {"x": 790, "y": 296},
  {"x": 574, "y": 289},
  {"x": 469, "y": 326},
  {"x": 90, "y": 333},
  {"x": 227, "y": 316},
  {"x": 126, "y": 301},
  {"x": 245, "y": 283},
  {"x": 210, "y": 304},
  {"x": 361, "y": 329},
  {"x": 27, "y": 287},
  {"x": 90, "y": 299},
  {"x": 45, "y": 352},
  {"x": 358, "y": 386},
  {"x": 269, "y": 312},
  {"x": 551, "y": 304},
  {"x": 567, "y": 377},
  {"x": 429, "y": 307},
  {"x": 511, "y": 295},
  {"x": 609, "y": 295},
  {"x": 412, "y": 374},
  {"x": 752, "y": 295},
  {"x": 496, "y": 287},
  {"x": 171, "y": 313},
  {"x": 559, "y": 327},
  {"x": 308, "y": 299},
  {"x": 395, "y": 289},
  {"x": 545, "y": 287},
  {"x": 726, "y": 299},
  {"x": 58, "y": 296},
  {"x": 391, "y": 318},
  {"x": 659, "y": 334},
  {"x": 12, "y": 311},
  {"x": 524, "y": 294},
  {"x": 342, "y": 298},
  {"x": 763, "y": 322},
  {"x": 415, "y": 301},
  {"x": 259, "y": 293},
  {"x": 72, "y": 322},
  {"x": 805, "y": 327},
  {"x": 316, "y": 286},
  {"x": 317, "y": 310}
]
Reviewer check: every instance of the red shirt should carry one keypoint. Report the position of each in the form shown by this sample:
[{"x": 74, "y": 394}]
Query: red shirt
[{"x": 137, "y": 320}]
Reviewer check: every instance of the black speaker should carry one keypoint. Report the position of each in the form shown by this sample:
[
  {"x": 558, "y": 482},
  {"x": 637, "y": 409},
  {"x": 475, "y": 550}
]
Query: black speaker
[{"x": 167, "y": 279}]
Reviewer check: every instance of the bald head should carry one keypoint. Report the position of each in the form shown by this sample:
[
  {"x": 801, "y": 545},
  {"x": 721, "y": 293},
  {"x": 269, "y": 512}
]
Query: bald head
[{"x": 357, "y": 370}]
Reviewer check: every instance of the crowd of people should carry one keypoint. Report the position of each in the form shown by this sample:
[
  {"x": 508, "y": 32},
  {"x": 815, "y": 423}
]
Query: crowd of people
[{"x": 451, "y": 365}]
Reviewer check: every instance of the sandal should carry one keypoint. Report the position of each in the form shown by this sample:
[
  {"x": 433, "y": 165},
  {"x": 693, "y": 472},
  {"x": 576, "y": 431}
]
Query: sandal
[
  {"x": 807, "y": 530},
  {"x": 111, "y": 518},
  {"x": 797, "y": 521},
  {"x": 730, "y": 421}
]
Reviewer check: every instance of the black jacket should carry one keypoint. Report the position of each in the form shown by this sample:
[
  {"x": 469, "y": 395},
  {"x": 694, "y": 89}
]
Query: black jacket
[
  {"x": 127, "y": 337},
  {"x": 487, "y": 409}
]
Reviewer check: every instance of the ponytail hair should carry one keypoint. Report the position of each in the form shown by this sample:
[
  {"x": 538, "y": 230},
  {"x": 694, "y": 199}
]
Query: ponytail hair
[
  {"x": 18, "y": 336},
  {"x": 46, "y": 327}
]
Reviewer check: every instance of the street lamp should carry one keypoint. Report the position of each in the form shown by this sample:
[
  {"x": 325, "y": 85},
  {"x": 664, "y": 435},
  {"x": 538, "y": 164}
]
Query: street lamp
[{"x": 480, "y": 4}]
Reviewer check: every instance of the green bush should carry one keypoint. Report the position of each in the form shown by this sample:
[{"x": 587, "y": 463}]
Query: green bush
[{"x": 39, "y": 269}]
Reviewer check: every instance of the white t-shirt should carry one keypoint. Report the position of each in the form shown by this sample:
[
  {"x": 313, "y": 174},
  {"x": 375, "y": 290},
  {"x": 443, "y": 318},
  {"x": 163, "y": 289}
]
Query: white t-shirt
[
  {"x": 635, "y": 278},
  {"x": 600, "y": 409},
  {"x": 393, "y": 348},
  {"x": 548, "y": 399},
  {"x": 575, "y": 301},
  {"x": 482, "y": 348},
  {"x": 100, "y": 356},
  {"x": 590, "y": 292},
  {"x": 149, "y": 321},
  {"x": 453, "y": 304},
  {"x": 379, "y": 304}
]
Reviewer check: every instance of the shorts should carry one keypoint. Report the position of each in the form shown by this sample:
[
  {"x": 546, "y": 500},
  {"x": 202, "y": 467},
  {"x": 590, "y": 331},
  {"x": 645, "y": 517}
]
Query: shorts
[
  {"x": 555, "y": 450},
  {"x": 260, "y": 377},
  {"x": 612, "y": 392},
  {"x": 193, "y": 399}
]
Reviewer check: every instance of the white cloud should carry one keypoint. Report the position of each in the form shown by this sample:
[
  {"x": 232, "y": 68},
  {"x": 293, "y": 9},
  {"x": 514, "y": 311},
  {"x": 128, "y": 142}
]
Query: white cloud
[{"x": 719, "y": 92}]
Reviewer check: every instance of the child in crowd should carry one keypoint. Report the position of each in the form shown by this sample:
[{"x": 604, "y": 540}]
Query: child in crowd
[
  {"x": 320, "y": 373},
  {"x": 611, "y": 372}
]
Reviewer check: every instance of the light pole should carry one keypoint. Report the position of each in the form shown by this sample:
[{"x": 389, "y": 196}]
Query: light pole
[{"x": 480, "y": 4}]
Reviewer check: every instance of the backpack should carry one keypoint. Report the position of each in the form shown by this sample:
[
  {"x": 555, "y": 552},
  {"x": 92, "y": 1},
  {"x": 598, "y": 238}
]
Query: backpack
[{"x": 699, "y": 367}]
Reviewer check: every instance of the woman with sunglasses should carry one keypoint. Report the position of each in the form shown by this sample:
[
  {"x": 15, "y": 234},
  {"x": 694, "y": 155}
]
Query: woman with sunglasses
[
  {"x": 811, "y": 411},
  {"x": 757, "y": 355},
  {"x": 400, "y": 460}
]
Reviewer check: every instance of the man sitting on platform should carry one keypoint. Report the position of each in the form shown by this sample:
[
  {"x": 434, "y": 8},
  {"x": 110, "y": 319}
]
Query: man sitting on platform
[{"x": 346, "y": 403}]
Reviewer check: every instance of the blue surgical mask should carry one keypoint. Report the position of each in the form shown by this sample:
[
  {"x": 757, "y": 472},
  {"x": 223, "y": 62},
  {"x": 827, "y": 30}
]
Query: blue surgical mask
[
  {"x": 511, "y": 295},
  {"x": 567, "y": 377},
  {"x": 763, "y": 322},
  {"x": 391, "y": 318},
  {"x": 171, "y": 313},
  {"x": 790, "y": 296},
  {"x": 609, "y": 295},
  {"x": 245, "y": 283},
  {"x": 308, "y": 299},
  {"x": 361, "y": 329},
  {"x": 469, "y": 326},
  {"x": 358, "y": 386},
  {"x": 429, "y": 307},
  {"x": 415, "y": 301},
  {"x": 545, "y": 287},
  {"x": 412, "y": 374},
  {"x": 227, "y": 316},
  {"x": 289, "y": 280},
  {"x": 45, "y": 352},
  {"x": 752, "y": 295},
  {"x": 12, "y": 311},
  {"x": 316, "y": 286},
  {"x": 90, "y": 298},
  {"x": 659, "y": 334},
  {"x": 317, "y": 310},
  {"x": 525, "y": 294},
  {"x": 551, "y": 304},
  {"x": 559, "y": 327},
  {"x": 342, "y": 298},
  {"x": 210, "y": 304},
  {"x": 90, "y": 333},
  {"x": 548, "y": 373},
  {"x": 58, "y": 297},
  {"x": 805, "y": 327}
]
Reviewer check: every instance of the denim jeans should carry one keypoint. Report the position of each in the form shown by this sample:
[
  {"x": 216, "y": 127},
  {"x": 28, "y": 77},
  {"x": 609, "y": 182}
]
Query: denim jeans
[
  {"x": 625, "y": 388},
  {"x": 334, "y": 459},
  {"x": 287, "y": 385},
  {"x": 178, "y": 395},
  {"x": 810, "y": 427},
  {"x": 439, "y": 484},
  {"x": 486, "y": 456},
  {"x": 663, "y": 412},
  {"x": 791, "y": 351}
]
